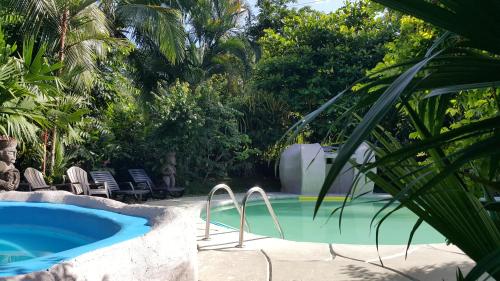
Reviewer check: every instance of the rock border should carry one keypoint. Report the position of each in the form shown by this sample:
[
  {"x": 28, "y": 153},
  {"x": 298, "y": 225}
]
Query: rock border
[{"x": 167, "y": 252}]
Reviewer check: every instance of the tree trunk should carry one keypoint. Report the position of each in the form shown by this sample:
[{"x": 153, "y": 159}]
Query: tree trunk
[
  {"x": 45, "y": 137},
  {"x": 62, "y": 38},
  {"x": 53, "y": 150},
  {"x": 62, "y": 45}
]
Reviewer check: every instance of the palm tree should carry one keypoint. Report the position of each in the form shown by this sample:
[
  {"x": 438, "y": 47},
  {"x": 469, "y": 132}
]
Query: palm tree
[
  {"x": 155, "y": 23},
  {"x": 214, "y": 45},
  {"x": 441, "y": 189},
  {"x": 78, "y": 32},
  {"x": 215, "y": 41},
  {"x": 26, "y": 84}
]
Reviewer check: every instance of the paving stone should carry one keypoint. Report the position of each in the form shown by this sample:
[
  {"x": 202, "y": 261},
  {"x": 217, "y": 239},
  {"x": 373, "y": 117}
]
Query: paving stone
[
  {"x": 337, "y": 270},
  {"x": 369, "y": 252},
  {"x": 286, "y": 250},
  {"x": 232, "y": 266},
  {"x": 443, "y": 247},
  {"x": 431, "y": 264},
  {"x": 227, "y": 239}
]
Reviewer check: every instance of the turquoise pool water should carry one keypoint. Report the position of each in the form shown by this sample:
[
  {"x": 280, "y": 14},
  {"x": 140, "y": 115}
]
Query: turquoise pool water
[
  {"x": 35, "y": 236},
  {"x": 296, "y": 219}
]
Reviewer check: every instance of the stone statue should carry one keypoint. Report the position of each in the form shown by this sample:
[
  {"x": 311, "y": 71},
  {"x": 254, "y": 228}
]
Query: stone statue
[
  {"x": 9, "y": 175},
  {"x": 168, "y": 170}
]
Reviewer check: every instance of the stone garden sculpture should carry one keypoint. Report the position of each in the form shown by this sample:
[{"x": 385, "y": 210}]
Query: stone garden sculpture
[
  {"x": 9, "y": 175},
  {"x": 169, "y": 170}
]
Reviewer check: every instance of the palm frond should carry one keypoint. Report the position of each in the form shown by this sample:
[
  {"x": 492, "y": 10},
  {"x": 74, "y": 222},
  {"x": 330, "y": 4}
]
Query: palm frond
[
  {"x": 162, "y": 25},
  {"x": 437, "y": 190},
  {"x": 38, "y": 15},
  {"x": 86, "y": 44}
]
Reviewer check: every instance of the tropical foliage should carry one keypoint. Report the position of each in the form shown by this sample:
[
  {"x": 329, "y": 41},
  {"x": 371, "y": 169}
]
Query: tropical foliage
[
  {"x": 302, "y": 64},
  {"x": 438, "y": 174},
  {"x": 118, "y": 84},
  {"x": 25, "y": 91}
]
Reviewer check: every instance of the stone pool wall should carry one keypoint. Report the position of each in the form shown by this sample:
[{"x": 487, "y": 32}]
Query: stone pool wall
[{"x": 167, "y": 252}]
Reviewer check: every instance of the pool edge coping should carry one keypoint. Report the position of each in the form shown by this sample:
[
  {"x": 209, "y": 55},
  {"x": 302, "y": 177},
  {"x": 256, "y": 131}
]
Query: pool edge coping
[
  {"x": 393, "y": 256},
  {"x": 166, "y": 252},
  {"x": 128, "y": 226},
  {"x": 284, "y": 196}
]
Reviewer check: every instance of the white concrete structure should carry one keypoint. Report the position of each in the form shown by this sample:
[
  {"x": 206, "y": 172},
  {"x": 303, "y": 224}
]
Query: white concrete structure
[
  {"x": 167, "y": 252},
  {"x": 304, "y": 167}
]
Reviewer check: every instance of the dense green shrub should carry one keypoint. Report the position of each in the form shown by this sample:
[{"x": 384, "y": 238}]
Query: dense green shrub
[
  {"x": 198, "y": 124},
  {"x": 315, "y": 55},
  {"x": 202, "y": 128}
]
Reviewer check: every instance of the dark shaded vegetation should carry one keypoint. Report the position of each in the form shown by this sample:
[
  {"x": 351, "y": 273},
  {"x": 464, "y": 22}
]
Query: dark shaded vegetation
[
  {"x": 118, "y": 84},
  {"x": 219, "y": 90}
]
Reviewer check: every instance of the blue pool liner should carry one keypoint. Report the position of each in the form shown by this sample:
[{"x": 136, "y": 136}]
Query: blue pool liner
[{"x": 124, "y": 228}]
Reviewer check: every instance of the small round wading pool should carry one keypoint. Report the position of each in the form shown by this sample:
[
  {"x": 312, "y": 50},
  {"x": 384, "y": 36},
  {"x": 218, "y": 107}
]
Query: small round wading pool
[
  {"x": 296, "y": 219},
  {"x": 35, "y": 236}
]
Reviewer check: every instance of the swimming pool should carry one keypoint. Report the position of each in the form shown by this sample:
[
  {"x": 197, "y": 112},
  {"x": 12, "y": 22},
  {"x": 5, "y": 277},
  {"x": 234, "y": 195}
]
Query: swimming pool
[
  {"x": 35, "y": 236},
  {"x": 296, "y": 219}
]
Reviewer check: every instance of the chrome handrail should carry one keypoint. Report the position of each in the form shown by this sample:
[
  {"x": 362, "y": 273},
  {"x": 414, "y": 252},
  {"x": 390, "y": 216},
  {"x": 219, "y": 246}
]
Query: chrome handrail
[
  {"x": 269, "y": 208},
  {"x": 209, "y": 204}
]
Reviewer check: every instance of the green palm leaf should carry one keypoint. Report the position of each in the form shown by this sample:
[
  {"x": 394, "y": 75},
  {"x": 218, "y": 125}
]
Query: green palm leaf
[
  {"x": 162, "y": 25},
  {"x": 437, "y": 190},
  {"x": 370, "y": 120}
]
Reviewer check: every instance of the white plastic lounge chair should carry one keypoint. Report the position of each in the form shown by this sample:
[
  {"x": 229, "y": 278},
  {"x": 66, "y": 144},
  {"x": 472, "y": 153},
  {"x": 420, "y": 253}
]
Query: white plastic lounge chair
[
  {"x": 80, "y": 183},
  {"x": 116, "y": 189},
  {"x": 37, "y": 182},
  {"x": 140, "y": 177}
]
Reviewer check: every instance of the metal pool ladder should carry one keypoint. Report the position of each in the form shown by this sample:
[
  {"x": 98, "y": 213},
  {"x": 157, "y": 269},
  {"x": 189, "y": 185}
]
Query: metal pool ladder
[
  {"x": 209, "y": 204},
  {"x": 269, "y": 208},
  {"x": 242, "y": 210}
]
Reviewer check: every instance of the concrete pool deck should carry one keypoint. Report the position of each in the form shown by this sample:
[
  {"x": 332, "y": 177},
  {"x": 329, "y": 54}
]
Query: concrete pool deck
[{"x": 264, "y": 258}]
